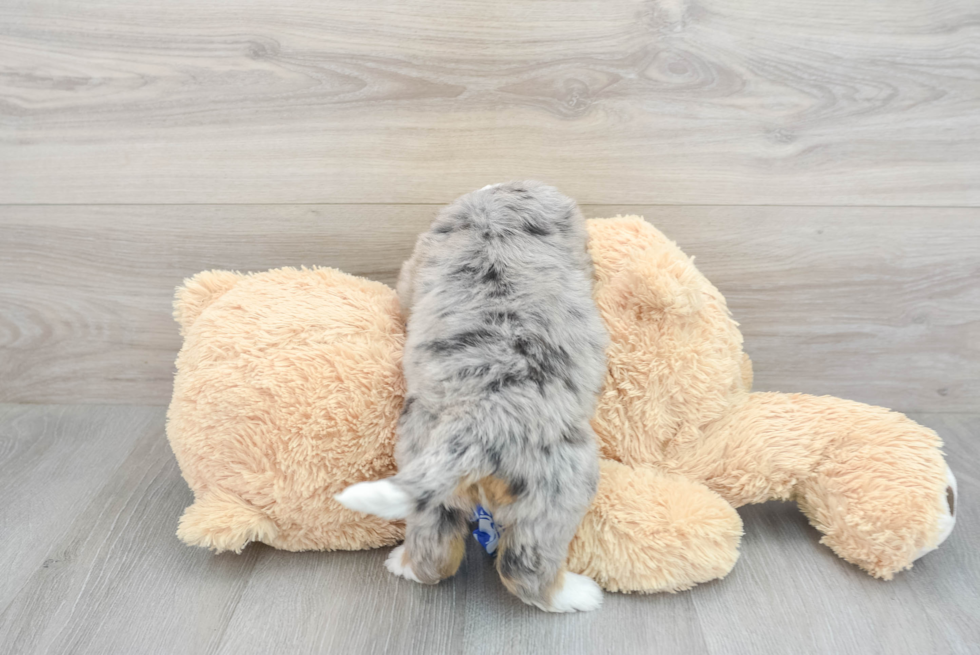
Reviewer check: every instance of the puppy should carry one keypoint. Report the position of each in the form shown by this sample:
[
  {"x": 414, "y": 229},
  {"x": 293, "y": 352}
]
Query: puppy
[{"x": 503, "y": 362}]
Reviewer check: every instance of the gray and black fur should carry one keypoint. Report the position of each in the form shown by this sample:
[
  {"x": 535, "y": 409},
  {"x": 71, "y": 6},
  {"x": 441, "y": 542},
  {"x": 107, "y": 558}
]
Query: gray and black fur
[{"x": 503, "y": 362}]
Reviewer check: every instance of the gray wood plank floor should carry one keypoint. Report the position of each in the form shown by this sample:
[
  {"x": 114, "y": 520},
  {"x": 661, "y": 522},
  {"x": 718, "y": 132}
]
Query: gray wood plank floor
[{"x": 89, "y": 498}]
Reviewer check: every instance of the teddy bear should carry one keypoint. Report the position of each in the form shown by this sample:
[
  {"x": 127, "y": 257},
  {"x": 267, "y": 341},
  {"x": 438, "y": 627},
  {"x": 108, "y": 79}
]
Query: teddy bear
[{"x": 289, "y": 386}]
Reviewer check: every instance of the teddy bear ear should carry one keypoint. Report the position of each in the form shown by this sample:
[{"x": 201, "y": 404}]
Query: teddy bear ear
[
  {"x": 637, "y": 266},
  {"x": 198, "y": 292}
]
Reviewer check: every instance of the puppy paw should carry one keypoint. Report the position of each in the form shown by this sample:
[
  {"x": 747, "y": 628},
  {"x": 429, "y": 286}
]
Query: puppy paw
[
  {"x": 579, "y": 594},
  {"x": 382, "y": 498},
  {"x": 398, "y": 564}
]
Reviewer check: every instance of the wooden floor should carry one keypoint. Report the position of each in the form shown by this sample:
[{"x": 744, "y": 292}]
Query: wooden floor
[
  {"x": 821, "y": 160},
  {"x": 89, "y": 497}
]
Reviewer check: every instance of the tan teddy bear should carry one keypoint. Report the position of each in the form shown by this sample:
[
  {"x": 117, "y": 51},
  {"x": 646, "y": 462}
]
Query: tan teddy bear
[{"x": 289, "y": 386}]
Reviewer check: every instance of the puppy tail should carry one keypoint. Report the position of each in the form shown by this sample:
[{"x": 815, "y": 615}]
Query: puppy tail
[
  {"x": 430, "y": 479},
  {"x": 382, "y": 498}
]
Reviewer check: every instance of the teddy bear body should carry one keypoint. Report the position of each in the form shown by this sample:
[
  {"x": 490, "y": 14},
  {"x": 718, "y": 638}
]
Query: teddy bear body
[{"x": 289, "y": 387}]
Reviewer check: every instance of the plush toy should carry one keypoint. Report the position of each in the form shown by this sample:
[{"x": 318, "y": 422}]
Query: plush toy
[{"x": 289, "y": 386}]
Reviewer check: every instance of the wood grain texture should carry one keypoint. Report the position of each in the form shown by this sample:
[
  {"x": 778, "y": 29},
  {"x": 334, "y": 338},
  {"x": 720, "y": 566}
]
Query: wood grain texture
[
  {"x": 114, "y": 579},
  {"x": 52, "y": 463},
  {"x": 661, "y": 101},
  {"x": 349, "y": 603},
  {"x": 880, "y": 305}
]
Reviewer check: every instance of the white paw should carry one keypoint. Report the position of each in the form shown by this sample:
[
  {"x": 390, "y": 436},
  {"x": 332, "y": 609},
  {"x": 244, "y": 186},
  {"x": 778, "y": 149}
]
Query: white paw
[
  {"x": 948, "y": 518},
  {"x": 579, "y": 594},
  {"x": 382, "y": 498},
  {"x": 396, "y": 564}
]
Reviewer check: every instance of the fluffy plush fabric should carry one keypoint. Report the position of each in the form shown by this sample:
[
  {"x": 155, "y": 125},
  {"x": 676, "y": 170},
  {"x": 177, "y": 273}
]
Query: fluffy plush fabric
[{"x": 289, "y": 386}]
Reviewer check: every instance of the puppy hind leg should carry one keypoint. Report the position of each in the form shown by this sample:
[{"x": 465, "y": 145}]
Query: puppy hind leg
[
  {"x": 539, "y": 580},
  {"x": 435, "y": 542},
  {"x": 532, "y": 553}
]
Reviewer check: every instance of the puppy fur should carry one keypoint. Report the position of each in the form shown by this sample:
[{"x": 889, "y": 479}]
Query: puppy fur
[{"x": 503, "y": 363}]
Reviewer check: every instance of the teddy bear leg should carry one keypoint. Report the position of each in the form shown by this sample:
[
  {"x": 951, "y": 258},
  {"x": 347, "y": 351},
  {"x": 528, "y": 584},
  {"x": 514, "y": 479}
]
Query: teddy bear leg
[
  {"x": 435, "y": 543},
  {"x": 882, "y": 495},
  {"x": 872, "y": 480},
  {"x": 649, "y": 531},
  {"x": 222, "y": 521}
]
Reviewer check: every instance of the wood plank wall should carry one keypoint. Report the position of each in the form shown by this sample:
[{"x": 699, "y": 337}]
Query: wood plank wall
[{"x": 821, "y": 160}]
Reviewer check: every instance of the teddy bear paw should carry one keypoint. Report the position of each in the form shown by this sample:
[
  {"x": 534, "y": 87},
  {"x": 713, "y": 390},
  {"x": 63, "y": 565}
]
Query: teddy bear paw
[{"x": 948, "y": 517}]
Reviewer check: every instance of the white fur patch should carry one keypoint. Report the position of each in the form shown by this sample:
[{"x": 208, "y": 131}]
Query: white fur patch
[
  {"x": 946, "y": 520},
  {"x": 382, "y": 498},
  {"x": 394, "y": 563},
  {"x": 579, "y": 594}
]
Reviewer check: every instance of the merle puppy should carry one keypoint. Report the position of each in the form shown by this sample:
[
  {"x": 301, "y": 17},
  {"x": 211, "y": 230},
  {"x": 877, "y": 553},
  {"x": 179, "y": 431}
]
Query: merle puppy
[{"x": 504, "y": 359}]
